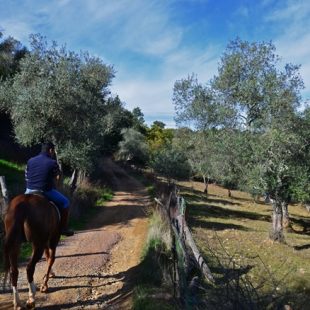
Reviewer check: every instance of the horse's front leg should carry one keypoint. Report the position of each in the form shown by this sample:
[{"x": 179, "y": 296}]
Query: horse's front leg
[
  {"x": 47, "y": 256},
  {"x": 50, "y": 256}
]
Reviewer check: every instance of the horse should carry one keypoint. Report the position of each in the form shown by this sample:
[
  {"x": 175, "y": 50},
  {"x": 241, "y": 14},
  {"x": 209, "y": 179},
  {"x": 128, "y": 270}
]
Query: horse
[{"x": 32, "y": 218}]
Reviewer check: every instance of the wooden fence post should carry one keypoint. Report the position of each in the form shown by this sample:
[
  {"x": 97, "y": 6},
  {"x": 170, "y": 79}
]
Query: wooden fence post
[
  {"x": 199, "y": 259},
  {"x": 5, "y": 194}
]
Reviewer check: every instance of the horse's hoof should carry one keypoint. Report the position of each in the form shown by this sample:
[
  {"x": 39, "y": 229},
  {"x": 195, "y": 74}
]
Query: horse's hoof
[
  {"x": 30, "y": 304},
  {"x": 43, "y": 288}
]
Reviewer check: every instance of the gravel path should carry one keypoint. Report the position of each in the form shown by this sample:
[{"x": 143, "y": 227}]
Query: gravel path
[{"x": 95, "y": 268}]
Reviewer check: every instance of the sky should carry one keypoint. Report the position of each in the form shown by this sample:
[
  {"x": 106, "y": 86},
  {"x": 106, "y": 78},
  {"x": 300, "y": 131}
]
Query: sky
[{"x": 153, "y": 43}]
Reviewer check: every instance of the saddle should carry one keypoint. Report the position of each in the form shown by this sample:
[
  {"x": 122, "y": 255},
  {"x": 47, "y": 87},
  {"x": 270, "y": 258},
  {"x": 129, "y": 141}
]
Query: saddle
[{"x": 41, "y": 193}]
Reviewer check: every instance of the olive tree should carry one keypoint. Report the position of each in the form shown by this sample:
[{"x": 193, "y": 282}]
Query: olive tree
[
  {"x": 11, "y": 52},
  {"x": 171, "y": 163},
  {"x": 252, "y": 96},
  {"x": 133, "y": 147},
  {"x": 200, "y": 148},
  {"x": 59, "y": 95}
]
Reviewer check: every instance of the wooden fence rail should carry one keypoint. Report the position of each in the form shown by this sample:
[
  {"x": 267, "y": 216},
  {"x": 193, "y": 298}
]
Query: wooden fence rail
[{"x": 175, "y": 209}]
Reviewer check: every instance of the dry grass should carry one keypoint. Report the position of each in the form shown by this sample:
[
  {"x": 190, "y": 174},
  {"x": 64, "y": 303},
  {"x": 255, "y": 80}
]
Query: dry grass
[{"x": 233, "y": 232}]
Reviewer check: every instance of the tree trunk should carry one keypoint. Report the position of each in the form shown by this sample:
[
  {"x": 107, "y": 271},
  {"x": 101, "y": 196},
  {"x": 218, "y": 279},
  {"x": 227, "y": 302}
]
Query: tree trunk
[
  {"x": 81, "y": 177},
  {"x": 229, "y": 192},
  {"x": 286, "y": 219},
  {"x": 206, "y": 184},
  {"x": 60, "y": 179},
  {"x": 5, "y": 195},
  {"x": 73, "y": 181},
  {"x": 277, "y": 222}
]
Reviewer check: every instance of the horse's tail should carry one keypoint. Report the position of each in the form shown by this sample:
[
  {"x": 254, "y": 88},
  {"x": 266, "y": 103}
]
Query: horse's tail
[{"x": 14, "y": 233}]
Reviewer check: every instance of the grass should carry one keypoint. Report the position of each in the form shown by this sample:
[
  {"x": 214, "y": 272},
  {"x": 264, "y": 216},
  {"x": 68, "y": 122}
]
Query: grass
[
  {"x": 142, "y": 177},
  {"x": 155, "y": 287},
  {"x": 232, "y": 234},
  {"x": 14, "y": 176},
  {"x": 96, "y": 197},
  {"x": 147, "y": 298}
]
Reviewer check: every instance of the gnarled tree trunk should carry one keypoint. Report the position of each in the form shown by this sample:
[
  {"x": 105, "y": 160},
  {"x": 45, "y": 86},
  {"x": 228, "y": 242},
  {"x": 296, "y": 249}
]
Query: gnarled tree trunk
[
  {"x": 73, "y": 181},
  {"x": 206, "y": 184},
  {"x": 285, "y": 219},
  {"x": 277, "y": 222}
]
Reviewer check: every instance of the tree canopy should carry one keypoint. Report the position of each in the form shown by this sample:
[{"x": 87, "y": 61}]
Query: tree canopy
[
  {"x": 253, "y": 105},
  {"x": 59, "y": 95}
]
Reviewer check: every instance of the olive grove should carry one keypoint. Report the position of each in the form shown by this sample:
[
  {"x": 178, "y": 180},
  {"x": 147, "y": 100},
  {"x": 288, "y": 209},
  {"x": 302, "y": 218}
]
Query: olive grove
[{"x": 262, "y": 137}]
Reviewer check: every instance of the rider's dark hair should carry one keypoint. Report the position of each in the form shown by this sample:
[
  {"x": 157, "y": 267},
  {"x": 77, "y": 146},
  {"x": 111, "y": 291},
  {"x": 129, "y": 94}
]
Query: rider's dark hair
[{"x": 46, "y": 146}]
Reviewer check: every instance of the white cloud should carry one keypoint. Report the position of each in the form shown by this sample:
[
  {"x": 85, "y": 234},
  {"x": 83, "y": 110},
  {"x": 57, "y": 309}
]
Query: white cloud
[
  {"x": 154, "y": 96},
  {"x": 293, "y": 44},
  {"x": 148, "y": 29},
  {"x": 137, "y": 25},
  {"x": 242, "y": 11},
  {"x": 151, "y": 96},
  {"x": 19, "y": 30},
  {"x": 291, "y": 10}
]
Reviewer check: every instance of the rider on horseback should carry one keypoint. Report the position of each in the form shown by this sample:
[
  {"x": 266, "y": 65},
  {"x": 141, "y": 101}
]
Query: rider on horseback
[{"x": 40, "y": 174}]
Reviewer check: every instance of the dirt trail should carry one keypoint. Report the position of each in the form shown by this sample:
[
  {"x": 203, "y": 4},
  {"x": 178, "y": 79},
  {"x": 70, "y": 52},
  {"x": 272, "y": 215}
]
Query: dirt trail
[{"x": 95, "y": 268}]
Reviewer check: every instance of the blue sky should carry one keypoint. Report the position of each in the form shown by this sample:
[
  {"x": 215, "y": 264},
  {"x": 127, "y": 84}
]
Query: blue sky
[{"x": 153, "y": 43}]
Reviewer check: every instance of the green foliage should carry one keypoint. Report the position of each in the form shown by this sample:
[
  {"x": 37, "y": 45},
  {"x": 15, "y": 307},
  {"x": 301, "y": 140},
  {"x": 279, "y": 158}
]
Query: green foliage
[
  {"x": 143, "y": 301},
  {"x": 106, "y": 194},
  {"x": 138, "y": 120},
  {"x": 59, "y": 95},
  {"x": 11, "y": 52},
  {"x": 253, "y": 105},
  {"x": 115, "y": 119},
  {"x": 158, "y": 137},
  {"x": 153, "y": 273},
  {"x": 85, "y": 204},
  {"x": 171, "y": 163},
  {"x": 196, "y": 105},
  {"x": 11, "y": 166},
  {"x": 156, "y": 251},
  {"x": 300, "y": 172},
  {"x": 14, "y": 176},
  {"x": 151, "y": 191},
  {"x": 133, "y": 147}
]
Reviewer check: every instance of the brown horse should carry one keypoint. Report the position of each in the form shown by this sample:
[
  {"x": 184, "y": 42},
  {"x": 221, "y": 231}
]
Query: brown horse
[{"x": 30, "y": 218}]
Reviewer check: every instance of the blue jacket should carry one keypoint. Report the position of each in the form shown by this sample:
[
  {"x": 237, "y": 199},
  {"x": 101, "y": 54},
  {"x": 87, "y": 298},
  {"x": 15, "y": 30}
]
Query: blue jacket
[{"x": 41, "y": 171}]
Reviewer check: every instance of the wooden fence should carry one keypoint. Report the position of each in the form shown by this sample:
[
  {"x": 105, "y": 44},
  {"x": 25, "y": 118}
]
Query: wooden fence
[
  {"x": 185, "y": 252},
  {"x": 4, "y": 196}
]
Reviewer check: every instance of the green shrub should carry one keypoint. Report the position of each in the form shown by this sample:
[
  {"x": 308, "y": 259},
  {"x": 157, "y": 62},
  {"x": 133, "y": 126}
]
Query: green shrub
[
  {"x": 87, "y": 196},
  {"x": 155, "y": 269}
]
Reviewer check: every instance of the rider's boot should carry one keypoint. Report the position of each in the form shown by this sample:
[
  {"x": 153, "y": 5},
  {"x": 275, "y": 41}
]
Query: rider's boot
[{"x": 64, "y": 212}]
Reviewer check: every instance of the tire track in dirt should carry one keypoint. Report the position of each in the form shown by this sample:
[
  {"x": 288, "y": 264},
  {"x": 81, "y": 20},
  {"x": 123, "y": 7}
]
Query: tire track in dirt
[{"x": 95, "y": 268}]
